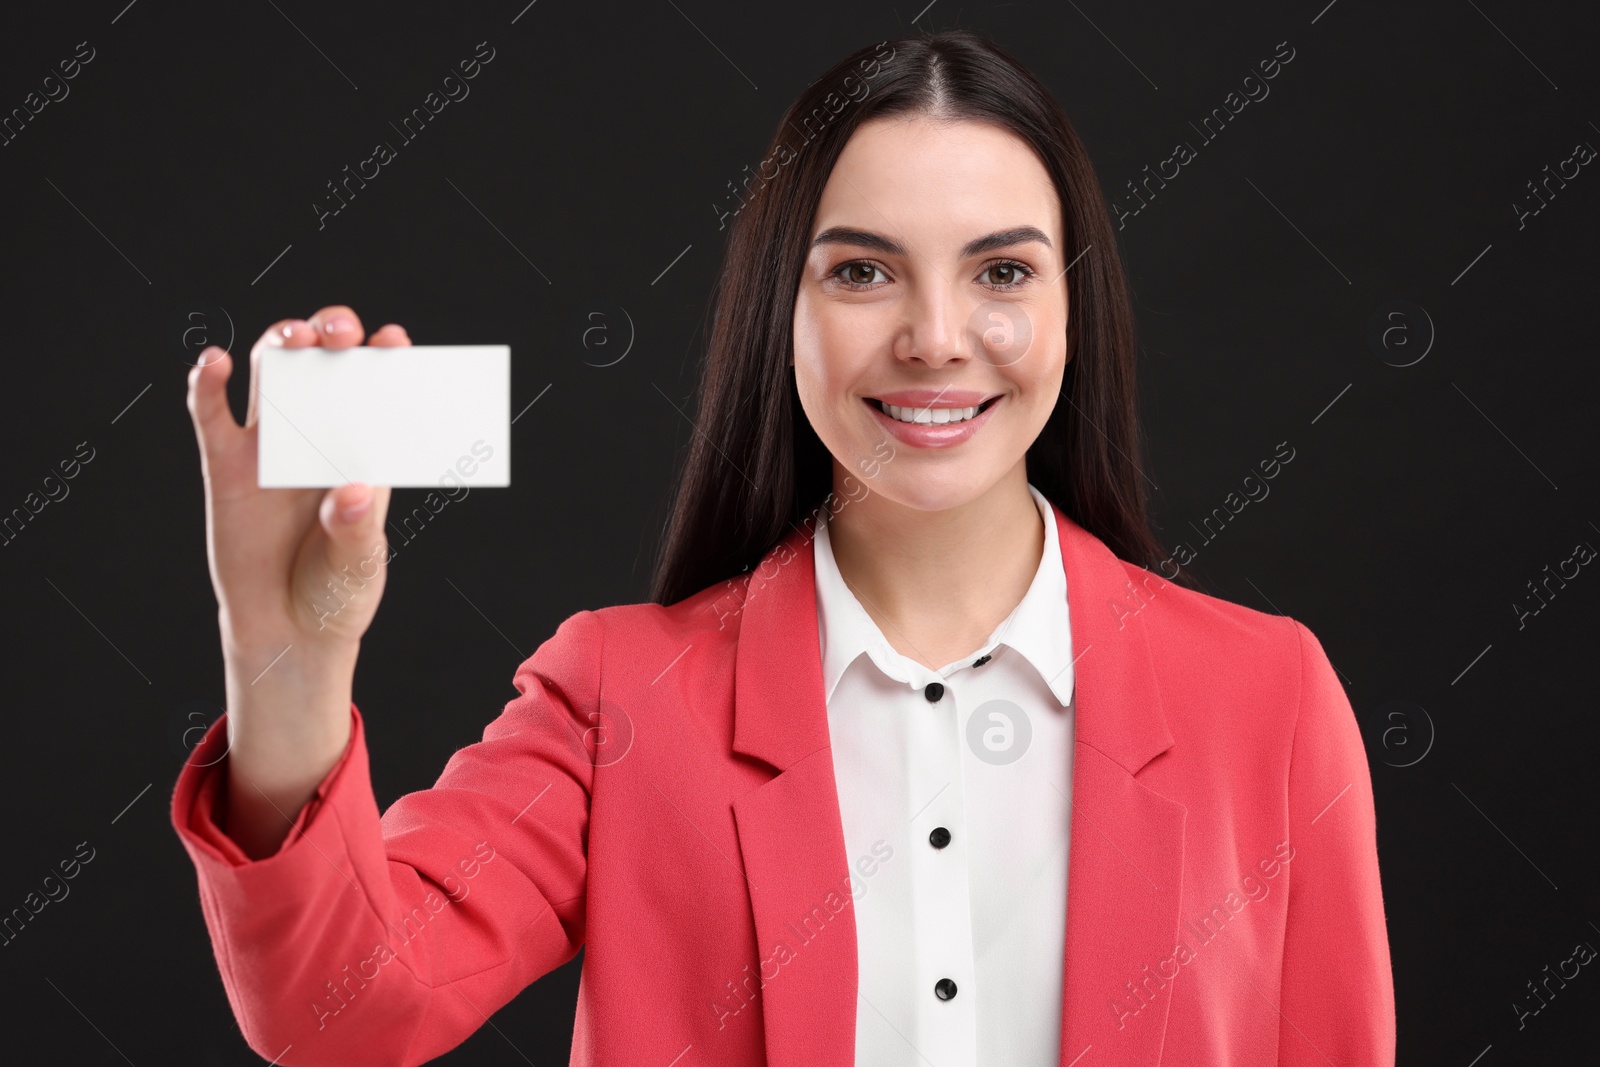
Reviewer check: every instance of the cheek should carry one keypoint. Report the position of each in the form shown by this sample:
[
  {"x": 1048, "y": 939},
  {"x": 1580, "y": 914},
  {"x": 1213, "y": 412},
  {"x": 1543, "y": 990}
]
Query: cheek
[
  {"x": 826, "y": 361},
  {"x": 1040, "y": 370},
  {"x": 816, "y": 389},
  {"x": 1039, "y": 374},
  {"x": 810, "y": 368},
  {"x": 812, "y": 350},
  {"x": 807, "y": 331}
]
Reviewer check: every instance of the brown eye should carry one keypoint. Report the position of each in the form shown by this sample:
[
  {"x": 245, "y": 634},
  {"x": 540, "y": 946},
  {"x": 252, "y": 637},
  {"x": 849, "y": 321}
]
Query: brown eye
[
  {"x": 1008, "y": 275},
  {"x": 857, "y": 274}
]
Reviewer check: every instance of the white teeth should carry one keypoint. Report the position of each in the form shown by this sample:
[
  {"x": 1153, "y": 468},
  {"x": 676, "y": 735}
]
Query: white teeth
[{"x": 933, "y": 416}]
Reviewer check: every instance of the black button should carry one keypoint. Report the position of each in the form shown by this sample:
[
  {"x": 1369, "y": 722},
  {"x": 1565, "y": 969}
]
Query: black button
[
  {"x": 933, "y": 692},
  {"x": 981, "y": 660},
  {"x": 944, "y": 989},
  {"x": 939, "y": 838}
]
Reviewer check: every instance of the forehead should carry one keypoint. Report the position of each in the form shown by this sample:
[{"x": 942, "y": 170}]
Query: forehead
[{"x": 938, "y": 178}]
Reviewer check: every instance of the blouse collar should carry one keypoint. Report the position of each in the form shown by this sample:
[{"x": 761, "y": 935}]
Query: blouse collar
[{"x": 1038, "y": 628}]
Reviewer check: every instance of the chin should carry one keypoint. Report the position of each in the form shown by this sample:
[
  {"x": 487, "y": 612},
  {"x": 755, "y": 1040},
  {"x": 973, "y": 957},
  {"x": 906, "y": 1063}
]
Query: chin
[{"x": 929, "y": 489}]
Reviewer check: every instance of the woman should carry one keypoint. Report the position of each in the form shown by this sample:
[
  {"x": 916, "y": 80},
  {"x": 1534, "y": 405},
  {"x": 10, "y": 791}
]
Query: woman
[{"x": 919, "y": 754}]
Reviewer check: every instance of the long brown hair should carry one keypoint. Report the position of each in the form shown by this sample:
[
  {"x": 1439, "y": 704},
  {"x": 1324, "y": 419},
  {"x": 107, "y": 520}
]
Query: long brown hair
[{"x": 755, "y": 466}]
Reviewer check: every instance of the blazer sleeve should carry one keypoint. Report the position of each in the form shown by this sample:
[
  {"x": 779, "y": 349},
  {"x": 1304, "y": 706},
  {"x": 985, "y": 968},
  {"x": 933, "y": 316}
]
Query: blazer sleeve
[
  {"x": 389, "y": 940},
  {"x": 1337, "y": 990}
]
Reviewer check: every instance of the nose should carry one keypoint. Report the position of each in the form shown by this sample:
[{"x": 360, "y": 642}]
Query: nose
[{"x": 937, "y": 331}]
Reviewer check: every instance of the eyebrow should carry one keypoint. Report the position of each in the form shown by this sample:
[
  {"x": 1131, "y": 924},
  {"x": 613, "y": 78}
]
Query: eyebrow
[{"x": 844, "y": 235}]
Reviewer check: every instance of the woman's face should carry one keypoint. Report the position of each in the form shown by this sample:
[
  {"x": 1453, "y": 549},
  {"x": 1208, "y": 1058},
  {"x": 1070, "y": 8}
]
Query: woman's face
[{"x": 935, "y": 283}]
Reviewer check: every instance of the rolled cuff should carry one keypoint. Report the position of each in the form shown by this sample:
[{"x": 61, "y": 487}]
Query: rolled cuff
[{"x": 205, "y": 773}]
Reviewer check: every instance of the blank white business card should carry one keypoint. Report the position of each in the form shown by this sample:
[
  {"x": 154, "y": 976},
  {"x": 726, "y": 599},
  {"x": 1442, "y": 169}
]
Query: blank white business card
[{"x": 407, "y": 417}]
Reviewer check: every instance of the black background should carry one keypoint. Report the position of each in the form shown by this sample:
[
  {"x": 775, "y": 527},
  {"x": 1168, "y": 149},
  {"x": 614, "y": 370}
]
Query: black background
[{"x": 1384, "y": 166}]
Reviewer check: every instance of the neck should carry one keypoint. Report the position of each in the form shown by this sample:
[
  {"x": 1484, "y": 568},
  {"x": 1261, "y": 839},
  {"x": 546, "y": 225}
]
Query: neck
[{"x": 937, "y": 583}]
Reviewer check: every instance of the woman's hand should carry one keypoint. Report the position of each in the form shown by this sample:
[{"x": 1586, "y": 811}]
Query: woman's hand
[
  {"x": 298, "y": 574},
  {"x": 274, "y": 551}
]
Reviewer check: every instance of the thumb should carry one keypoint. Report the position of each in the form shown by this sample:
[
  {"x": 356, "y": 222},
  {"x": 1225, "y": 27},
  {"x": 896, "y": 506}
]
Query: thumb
[
  {"x": 352, "y": 556},
  {"x": 351, "y": 517}
]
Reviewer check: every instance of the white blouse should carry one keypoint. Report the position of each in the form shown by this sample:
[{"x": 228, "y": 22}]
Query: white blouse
[{"x": 955, "y": 792}]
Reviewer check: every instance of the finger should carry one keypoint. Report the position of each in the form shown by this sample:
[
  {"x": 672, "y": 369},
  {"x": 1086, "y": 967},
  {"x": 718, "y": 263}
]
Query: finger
[
  {"x": 288, "y": 333},
  {"x": 337, "y": 327},
  {"x": 285, "y": 333},
  {"x": 353, "y": 516},
  {"x": 390, "y": 336},
  {"x": 214, "y": 425}
]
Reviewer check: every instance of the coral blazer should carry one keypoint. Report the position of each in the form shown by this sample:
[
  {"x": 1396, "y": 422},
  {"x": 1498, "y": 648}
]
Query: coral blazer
[{"x": 661, "y": 793}]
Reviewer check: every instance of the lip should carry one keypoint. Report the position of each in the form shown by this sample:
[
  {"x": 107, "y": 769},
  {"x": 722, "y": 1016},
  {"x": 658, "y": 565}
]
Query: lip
[
  {"x": 934, "y": 398},
  {"x": 918, "y": 435}
]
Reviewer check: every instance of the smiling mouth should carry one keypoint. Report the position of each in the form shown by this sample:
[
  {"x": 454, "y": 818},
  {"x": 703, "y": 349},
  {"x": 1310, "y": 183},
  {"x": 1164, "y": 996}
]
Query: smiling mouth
[{"x": 931, "y": 416}]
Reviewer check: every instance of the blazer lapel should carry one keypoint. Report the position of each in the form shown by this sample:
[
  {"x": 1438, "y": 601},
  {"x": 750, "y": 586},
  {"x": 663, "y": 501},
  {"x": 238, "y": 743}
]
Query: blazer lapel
[
  {"x": 1125, "y": 857},
  {"x": 791, "y": 834}
]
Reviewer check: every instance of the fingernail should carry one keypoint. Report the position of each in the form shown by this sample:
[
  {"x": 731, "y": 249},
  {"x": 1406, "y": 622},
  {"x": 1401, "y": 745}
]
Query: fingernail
[
  {"x": 338, "y": 323},
  {"x": 352, "y": 512}
]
